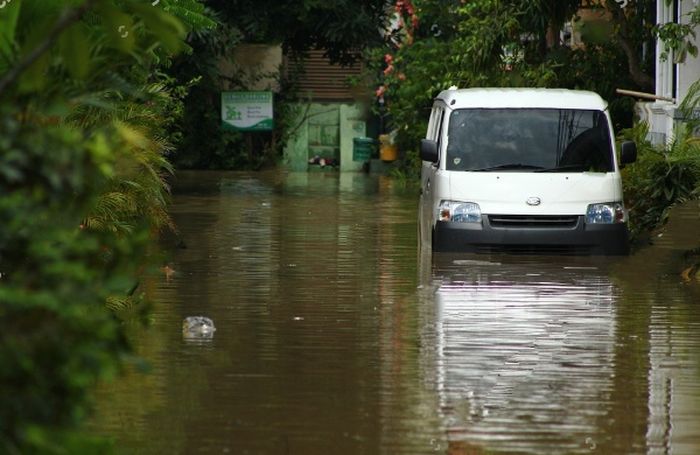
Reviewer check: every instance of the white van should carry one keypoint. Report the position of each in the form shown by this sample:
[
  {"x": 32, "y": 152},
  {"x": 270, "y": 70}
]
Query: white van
[{"x": 522, "y": 169}]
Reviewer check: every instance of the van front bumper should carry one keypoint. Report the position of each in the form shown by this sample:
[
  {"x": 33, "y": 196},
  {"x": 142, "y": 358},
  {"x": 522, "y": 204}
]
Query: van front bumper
[{"x": 582, "y": 238}]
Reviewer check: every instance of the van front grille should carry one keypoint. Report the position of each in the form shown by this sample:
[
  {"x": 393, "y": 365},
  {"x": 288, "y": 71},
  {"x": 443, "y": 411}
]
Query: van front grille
[{"x": 534, "y": 221}]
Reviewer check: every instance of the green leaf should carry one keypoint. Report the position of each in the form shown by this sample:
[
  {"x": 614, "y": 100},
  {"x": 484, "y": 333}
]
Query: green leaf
[
  {"x": 75, "y": 50},
  {"x": 668, "y": 192},
  {"x": 597, "y": 32},
  {"x": 34, "y": 77},
  {"x": 191, "y": 13},
  {"x": 164, "y": 26},
  {"x": 8, "y": 24},
  {"x": 119, "y": 27}
]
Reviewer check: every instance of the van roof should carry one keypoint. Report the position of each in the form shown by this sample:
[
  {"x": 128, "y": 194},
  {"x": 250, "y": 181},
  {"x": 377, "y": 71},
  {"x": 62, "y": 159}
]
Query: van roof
[{"x": 521, "y": 98}]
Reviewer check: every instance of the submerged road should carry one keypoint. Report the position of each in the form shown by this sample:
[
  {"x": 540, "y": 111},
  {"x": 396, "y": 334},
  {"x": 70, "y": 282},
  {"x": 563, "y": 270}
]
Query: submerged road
[{"x": 334, "y": 336}]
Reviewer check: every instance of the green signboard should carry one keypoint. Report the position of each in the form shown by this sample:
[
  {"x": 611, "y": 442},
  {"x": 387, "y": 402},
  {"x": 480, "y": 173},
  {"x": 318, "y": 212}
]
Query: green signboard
[{"x": 247, "y": 111}]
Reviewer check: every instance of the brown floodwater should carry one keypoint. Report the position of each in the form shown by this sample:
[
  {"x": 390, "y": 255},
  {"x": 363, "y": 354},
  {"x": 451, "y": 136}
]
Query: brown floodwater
[{"x": 335, "y": 336}]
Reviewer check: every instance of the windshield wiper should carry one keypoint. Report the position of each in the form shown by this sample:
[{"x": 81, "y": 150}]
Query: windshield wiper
[
  {"x": 507, "y": 166},
  {"x": 566, "y": 167}
]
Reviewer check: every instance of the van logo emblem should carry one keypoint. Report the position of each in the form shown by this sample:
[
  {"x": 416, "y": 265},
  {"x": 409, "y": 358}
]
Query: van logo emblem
[{"x": 533, "y": 201}]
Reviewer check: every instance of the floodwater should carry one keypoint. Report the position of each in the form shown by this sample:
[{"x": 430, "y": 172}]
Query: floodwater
[{"x": 334, "y": 336}]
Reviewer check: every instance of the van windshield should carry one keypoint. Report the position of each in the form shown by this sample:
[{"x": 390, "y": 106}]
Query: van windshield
[{"x": 529, "y": 140}]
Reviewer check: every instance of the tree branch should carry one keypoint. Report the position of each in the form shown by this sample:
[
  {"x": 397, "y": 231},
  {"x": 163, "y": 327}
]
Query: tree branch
[
  {"x": 642, "y": 79},
  {"x": 65, "y": 21}
]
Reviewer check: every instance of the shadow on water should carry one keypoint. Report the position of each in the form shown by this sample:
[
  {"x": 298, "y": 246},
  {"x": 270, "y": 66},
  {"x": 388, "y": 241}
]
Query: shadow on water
[{"x": 334, "y": 336}]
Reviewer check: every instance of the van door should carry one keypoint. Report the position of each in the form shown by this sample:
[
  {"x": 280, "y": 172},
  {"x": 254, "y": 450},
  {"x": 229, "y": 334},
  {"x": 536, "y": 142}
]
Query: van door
[{"x": 428, "y": 171}]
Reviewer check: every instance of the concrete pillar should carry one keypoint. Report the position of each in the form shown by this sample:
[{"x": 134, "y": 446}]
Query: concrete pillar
[
  {"x": 296, "y": 149},
  {"x": 352, "y": 125},
  {"x": 689, "y": 71},
  {"x": 664, "y": 69}
]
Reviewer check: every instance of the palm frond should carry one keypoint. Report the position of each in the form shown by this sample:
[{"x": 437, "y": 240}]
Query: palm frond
[
  {"x": 192, "y": 13},
  {"x": 121, "y": 302},
  {"x": 690, "y": 107}
]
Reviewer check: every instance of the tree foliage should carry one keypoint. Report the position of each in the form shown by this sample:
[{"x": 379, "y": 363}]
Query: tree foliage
[
  {"x": 664, "y": 175},
  {"x": 56, "y": 336},
  {"x": 341, "y": 27},
  {"x": 84, "y": 109},
  {"x": 479, "y": 43},
  {"x": 517, "y": 43}
]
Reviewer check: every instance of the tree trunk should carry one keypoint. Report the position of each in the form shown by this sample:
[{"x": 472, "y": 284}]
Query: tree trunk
[{"x": 642, "y": 79}]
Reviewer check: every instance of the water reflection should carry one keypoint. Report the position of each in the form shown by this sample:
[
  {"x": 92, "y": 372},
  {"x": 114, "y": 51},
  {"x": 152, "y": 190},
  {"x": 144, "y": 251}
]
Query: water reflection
[
  {"x": 525, "y": 352},
  {"x": 566, "y": 355}
]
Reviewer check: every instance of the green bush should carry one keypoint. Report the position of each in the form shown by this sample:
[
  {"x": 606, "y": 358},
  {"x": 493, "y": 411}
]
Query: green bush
[
  {"x": 57, "y": 338},
  {"x": 83, "y": 112},
  {"x": 661, "y": 178}
]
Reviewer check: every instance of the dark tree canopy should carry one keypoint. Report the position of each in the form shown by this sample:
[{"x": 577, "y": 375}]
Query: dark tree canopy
[{"x": 342, "y": 27}]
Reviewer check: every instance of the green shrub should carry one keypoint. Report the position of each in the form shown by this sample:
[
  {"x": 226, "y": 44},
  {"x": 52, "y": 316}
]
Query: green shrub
[
  {"x": 661, "y": 178},
  {"x": 83, "y": 112},
  {"x": 57, "y": 338}
]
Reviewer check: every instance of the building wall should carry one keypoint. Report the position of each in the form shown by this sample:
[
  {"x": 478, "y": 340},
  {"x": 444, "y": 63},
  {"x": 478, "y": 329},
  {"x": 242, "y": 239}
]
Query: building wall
[
  {"x": 672, "y": 80},
  {"x": 325, "y": 130},
  {"x": 689, "y": 71},
  {"x": 332, "y": 117},
  {"x": 326, "y": 124},
  {"x": 318, "y": 79}
]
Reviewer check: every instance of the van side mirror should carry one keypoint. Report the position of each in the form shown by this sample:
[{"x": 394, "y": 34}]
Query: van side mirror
[
  {"x": 429, "y": 150},
  {"x": 628, "y": 153}
]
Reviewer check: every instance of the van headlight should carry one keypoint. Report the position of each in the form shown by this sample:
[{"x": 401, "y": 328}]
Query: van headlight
[
  {"x": 606, "y": 213},
  {"x": 459, "y": 212}
]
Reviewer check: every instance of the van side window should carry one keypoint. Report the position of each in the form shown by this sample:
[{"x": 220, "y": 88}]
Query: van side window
[
  {"x": 431, "y": 124},
  {"x": 435, "y": 124},
  {"x": 439, "y": 114},
  {"x": 437, "y": 130}
]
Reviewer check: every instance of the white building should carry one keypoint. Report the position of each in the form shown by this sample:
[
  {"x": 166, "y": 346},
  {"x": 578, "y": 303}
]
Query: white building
[{"x": 672, "y": 79}]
